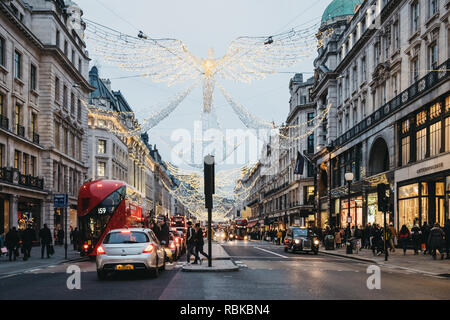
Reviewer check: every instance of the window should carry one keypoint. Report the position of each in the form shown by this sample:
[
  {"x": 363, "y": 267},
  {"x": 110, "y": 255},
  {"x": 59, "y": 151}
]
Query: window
[
  {"x": 72, "y": 145},
  {"x": 433, "y": 56},
  {"x": 66, "y": 142},
  {"x": 66, "y": 50},
  {"x": 18, "y": 119},
  {"x": 17, "y": 160},
  {"x": 394, "y": 85},
  {"x": 355, "y": 78},
  {"x": 33, "y": 166},
  {"x": 311, "y": 144},
  {"x": 80, "y": 65},
  {"x": 415, "y": 70},
  {"x": 101, "y": 146},
  {"x": 58, "y": 36},
  {"x": 25, "y": 164},
  {"x": 72, "y": 103},
  {"x": 415, "y": 17},
  {"x": 57, "y": 97},
  {"x": 421, "y": 144},
  {"x": 347, "y": 86},
  {"x": 310, "y": 119},
  {"x": 396, "y": 35},
  {"x": 33, "y": 77},
  {"x": 65, "y": 96},
  {"x": 2, "y": 106},
  {"x": 376, "y": 53},
  {"x": 57, "y": 135},
  {"x": 101, "y": 169},
  {"x": 79, "y": 109},
  {"x": 17, "y": 65},
  {"x": 33, "y": 125},
  {"x": 79, "y": 149},
  {"x": 435, "y": 139},
  {"x": 2, "y": 52},
  {"x": 386, "y": 47},
  {"x": 363, "y": 69},
  {"x": 73, "y": 57},
  {"x": 383, "y": 94},
  {"x": 406, "y": 150},
  {"x": 433, "y": 7}
]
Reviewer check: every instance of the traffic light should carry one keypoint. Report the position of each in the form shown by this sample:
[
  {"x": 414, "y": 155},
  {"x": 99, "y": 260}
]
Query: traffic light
[
  {"x": 209, "y": 181},
  {"x": 382, "y": 199}
]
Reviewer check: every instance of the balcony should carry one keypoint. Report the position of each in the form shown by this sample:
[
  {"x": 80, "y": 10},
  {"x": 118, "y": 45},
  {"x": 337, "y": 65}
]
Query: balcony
[
  {"x": 11, "y": 175},
  {"x": 35, "y": 138},
  {"x": 30, "y": 181},
  {"x": 20, "y": 130},
  {"x": 4, "y": 122},
  {"x": 404, "y": 98}
]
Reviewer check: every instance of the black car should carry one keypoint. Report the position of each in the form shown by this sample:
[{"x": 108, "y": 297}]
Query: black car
[{"x": 301, "y": 239}]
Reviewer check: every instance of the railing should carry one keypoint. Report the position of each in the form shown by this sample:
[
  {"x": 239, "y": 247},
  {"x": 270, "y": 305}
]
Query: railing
[
  {"x": 417, "y": 88},
  {"x": 35, "y": 138},
  {"x": 20, "y": 130},
  {"x": 4, "y": 122},
  {"x": 7, "y": 174}
]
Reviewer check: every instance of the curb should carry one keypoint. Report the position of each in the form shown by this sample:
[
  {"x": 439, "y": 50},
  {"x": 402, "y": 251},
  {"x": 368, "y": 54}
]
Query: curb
[
  {"x": 212, "y": 269},
  {"x": 349, "y": 257}
]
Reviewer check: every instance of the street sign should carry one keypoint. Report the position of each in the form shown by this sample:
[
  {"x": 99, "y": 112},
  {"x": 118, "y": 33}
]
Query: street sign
[{"x": 60, "y": 200}]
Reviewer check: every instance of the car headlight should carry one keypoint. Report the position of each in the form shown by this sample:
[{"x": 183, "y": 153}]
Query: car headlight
[
  {"x": 245, "y": 238},
  {"x": 297, "y": 241},
  {"x": 316, "y": 242}
]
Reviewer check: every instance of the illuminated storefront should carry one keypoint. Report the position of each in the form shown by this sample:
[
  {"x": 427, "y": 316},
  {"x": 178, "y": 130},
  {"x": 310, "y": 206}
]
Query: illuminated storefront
[
  {"x": 373, "y": 215},
  {"x": 356, "y": 211}
]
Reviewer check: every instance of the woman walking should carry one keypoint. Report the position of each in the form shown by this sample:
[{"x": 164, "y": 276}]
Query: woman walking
[{"x": 403, "y": 237}]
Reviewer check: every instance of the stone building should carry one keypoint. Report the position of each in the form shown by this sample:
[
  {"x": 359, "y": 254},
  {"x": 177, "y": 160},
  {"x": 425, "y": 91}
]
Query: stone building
[
  {"x": 43, "y": 79},
  {"x": 385, "y": 73}
]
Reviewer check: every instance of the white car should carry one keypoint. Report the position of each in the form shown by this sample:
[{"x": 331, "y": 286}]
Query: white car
[{"x": 133, "y": 249}]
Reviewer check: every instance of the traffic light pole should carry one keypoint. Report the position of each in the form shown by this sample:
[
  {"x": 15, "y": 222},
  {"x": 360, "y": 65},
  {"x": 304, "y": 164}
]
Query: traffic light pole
[
  {"x": 385, "y": 239},
  {"x": 209, "y": 238}
]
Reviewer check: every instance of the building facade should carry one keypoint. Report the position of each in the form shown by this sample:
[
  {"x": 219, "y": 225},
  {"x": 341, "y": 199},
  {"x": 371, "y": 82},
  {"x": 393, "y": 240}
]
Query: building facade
[{"x": 43, "y": 79}]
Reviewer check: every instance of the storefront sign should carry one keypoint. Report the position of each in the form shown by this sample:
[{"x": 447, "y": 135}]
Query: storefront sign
[
  {"x": 436, "y": 166},
  {"x": 60, "y": 200}
]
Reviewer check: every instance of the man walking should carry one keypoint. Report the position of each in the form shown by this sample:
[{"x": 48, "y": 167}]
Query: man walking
[
  {"x": 447, "y": 237},
  {"x": 435, "y": 239},
  {"x": 392, "y": 237},
  {"x": 29, "y": 235},
  {"x": 12, "y": 241},
  {"x": 46, "y": 239},
  {"x": 75, "y": 238},
  {"x": 190, "y": 243},
  {"x": 199, "y": 243}
]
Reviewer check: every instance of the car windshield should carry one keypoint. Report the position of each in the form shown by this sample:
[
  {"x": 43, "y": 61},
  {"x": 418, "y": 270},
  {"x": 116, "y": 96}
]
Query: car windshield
[
  {"x": 126, "y": 237},
  {"x": 300, "y": 232}
]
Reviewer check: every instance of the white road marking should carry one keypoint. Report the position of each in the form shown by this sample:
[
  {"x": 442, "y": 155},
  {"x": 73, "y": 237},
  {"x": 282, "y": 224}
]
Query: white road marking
[{"x": 271, "y": 252}]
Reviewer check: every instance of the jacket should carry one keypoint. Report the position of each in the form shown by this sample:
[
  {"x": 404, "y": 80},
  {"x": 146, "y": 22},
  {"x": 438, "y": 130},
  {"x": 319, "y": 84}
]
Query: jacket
[
  {"x": 45, "y": 235},
  {"x": 436, "y": 237},
  {"x": 164, "y": 234},
  {"x": 28, "y": 237},
  {"x": 190, "y": 236},
  {"x": 12, "y": 239},
  {"x": 199, "y": 237}
]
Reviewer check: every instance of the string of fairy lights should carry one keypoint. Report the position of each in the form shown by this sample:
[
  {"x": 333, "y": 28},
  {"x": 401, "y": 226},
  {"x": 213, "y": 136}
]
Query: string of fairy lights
[{"x": 169, "y": 61}]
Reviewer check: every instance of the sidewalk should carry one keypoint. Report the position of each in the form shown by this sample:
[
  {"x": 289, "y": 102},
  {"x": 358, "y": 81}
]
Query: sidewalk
[
  {"x": 419, "y": 263},
  {"x": 221, "y": 261},
  {"x": 12, "y": 267}
]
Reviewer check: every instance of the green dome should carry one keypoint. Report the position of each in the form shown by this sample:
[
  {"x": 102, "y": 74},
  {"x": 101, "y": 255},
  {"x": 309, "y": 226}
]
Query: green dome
[{"x": 338, "y": 8}]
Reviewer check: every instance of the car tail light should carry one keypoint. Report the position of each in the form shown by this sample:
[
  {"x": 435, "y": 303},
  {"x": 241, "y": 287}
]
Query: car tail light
[
  {"x": 100, "y": 250},
  {"x": 172, "y": 245},
  {"x": 148, "y": 249},
  {"x": 177, "y": 240},
  {"x": 86, "y": 246}
]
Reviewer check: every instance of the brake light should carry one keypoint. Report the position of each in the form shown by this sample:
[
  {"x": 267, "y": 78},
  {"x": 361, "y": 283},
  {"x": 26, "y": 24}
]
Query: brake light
[
  {"x": 100, "y": 250},
  {"x": 177, "y": 240},
  {"x": 148, "y": 249},
  {"x": 86, "y": 246},
  {"x": 99, "y": 185},
  {"x": 125, "y": 231},
  {"x": 172, "y": 245}
]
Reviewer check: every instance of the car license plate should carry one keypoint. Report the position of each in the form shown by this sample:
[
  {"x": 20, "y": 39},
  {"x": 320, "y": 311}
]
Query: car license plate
[{"x": 124, "y": 267}]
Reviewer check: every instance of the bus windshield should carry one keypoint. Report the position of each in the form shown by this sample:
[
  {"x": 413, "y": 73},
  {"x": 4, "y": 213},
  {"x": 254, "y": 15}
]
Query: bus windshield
[{"x": 93, "y": 224}]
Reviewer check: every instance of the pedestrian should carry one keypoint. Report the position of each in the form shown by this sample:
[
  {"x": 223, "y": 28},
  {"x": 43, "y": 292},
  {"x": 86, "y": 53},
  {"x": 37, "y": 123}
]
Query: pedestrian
[
  {"x": 403, "y": 237},
  {"x": 392, "y": 237},
  {"x": 416, "y": 235},
  {"x": 279, "y": 236},
  {"x": 199, "y": 243},
  {"x": 366, "y": 236},
  {"x": 435, "y": 240},
  {"x": 75, "y": 238},
  {"x": 425, "y": 234},
  {"x": 283, "y": 235},
  {"x": 337, "y": 238},
  {"x": 60, "y": 236},
  {"x": 12, "y": 241},
  {"x": 190, "y": 242},
  {"x": 46, "y": 240},
  {"x": 29, "y": 235},
  {"x": 447, "y": 237},
  {"x": 164, "y": 232}
]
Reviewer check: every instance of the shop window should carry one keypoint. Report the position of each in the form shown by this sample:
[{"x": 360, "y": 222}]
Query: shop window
[
  {"x": 408, "y": 191},
  {"x": 421, "y": 118},
  {"x": 447, "y": 134},
  {"x": 435, "y": 111}
]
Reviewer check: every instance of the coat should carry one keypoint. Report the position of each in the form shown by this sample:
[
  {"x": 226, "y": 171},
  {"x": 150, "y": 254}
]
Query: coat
[
  {"x": 45, "y": 236},
  {"x": 12, "y": 239},
  {"x": 28, "y": 237},
  {"x": 337, "y": 237},
  {"x": 199, "y": 238},
  {"x": 436, "y": 237}
]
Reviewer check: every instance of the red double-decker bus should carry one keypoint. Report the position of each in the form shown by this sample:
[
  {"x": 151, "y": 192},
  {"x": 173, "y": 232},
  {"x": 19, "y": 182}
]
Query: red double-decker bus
[
  {"x": 103, "y": 205},
  {"x": 240, "y": 229}
]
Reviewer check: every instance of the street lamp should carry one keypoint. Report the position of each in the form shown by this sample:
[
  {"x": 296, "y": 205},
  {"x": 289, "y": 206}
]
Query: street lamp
[{"x": 349, "y": 177}]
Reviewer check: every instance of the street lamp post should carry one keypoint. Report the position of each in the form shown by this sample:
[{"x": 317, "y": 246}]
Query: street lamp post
[{"x": 349, "y": 177}]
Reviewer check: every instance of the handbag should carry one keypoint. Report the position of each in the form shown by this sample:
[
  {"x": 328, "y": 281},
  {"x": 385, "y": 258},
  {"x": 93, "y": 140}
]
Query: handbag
[{"x": 4, "y": 250}]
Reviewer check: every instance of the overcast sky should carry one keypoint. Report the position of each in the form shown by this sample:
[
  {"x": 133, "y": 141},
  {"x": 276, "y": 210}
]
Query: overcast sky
[{"x": 203, "y": 24}]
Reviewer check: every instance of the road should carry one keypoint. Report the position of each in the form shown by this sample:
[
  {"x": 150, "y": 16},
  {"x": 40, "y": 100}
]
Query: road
[{"x": 266, "y": 272}]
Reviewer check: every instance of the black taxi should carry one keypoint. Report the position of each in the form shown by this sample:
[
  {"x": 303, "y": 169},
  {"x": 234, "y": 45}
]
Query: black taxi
[{"x": 301, "y": 239}]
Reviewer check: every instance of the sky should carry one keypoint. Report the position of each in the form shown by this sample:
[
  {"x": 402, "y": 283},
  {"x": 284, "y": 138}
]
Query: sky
[{"x": 203, "y": 24}]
